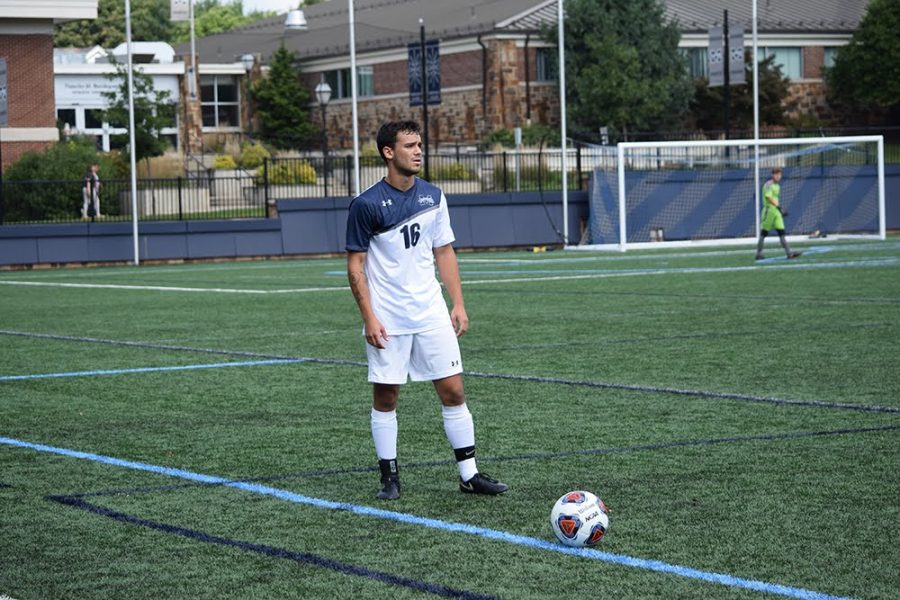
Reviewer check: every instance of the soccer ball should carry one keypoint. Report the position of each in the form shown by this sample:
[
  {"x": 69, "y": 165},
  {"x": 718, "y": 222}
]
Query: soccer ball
[{"x": 579, "y": 519}]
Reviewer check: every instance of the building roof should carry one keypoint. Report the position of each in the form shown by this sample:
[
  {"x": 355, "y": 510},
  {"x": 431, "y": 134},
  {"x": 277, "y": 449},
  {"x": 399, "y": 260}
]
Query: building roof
[{"x": 389, "y": 24}]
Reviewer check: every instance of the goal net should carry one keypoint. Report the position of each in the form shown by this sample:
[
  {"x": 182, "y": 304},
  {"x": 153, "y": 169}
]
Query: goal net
[{"x": 709, "y": 192}]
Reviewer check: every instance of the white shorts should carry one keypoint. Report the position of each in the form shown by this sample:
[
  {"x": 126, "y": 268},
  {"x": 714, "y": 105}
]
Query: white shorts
[{"x": 424, "y": 356}]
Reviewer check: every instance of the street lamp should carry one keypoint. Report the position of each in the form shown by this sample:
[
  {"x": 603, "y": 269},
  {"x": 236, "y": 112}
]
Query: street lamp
[
  {"x": 323, "y": 95},
  {"x": 248, "y": 61},
  {"x": 295, "y": 20}
]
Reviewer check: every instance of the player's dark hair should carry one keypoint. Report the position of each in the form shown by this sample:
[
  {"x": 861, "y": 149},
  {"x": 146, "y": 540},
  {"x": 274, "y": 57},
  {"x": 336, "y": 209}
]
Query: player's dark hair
[
  {"x": 387, "y": 134},
  {"x": 776, "y": 170}
]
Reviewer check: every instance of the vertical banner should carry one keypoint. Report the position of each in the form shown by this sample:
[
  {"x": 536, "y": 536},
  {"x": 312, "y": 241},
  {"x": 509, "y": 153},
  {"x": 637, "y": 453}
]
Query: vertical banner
[
  {"x": 716, "y": 57},
  {"x": 736, "y": 55},
  {"x": 4, "y": 95},
  {"x": 432, "y": 72},
  {"x": 180, "y": 10}
]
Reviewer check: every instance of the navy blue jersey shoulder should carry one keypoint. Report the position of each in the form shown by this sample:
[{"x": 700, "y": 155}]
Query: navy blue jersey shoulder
[{"x": 383, "y": 207}]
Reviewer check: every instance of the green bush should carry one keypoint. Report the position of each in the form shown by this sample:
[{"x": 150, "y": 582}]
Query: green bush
[
  {"x": 224, "y": 161},
  {"x": 253, "y": 155},
  {"x": 451, "y": 172},
  {"x": 292, "y": 172},
  {"x": 532, "y": 135},
  {"x": 60, "y": 168}
]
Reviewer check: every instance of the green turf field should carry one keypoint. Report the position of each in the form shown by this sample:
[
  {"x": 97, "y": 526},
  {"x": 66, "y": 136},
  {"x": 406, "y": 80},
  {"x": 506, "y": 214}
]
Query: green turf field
[{"x": 202, "y": 431}]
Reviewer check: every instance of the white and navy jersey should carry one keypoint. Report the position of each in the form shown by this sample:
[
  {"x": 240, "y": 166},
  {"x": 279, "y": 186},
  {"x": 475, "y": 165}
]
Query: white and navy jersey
[{"x": 399, "y": 231}]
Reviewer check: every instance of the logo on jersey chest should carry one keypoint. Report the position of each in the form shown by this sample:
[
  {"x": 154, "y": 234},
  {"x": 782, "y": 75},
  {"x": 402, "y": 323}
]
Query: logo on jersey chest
[
  {"x": 387, "y": 202},
  {"x": 426, "y": 200}
]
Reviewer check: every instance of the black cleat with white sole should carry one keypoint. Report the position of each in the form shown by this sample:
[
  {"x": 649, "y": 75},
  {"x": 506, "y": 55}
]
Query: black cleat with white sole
[{"x": 482, "y": 484}]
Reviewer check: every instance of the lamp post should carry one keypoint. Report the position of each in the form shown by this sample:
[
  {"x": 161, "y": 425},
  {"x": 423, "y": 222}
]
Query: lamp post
[
  {"x": 323, "y": 95},
  {"x": 248, "y": 60}
]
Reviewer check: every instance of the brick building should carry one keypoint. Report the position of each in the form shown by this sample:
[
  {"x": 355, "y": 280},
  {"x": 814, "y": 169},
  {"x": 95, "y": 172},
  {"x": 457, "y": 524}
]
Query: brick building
[
  {"x": 497, "y": 69},
  {"x": 26, "y": 47}
]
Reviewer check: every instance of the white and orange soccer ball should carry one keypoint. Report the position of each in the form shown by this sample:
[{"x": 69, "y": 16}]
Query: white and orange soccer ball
[{"x": 579, "y": 519}]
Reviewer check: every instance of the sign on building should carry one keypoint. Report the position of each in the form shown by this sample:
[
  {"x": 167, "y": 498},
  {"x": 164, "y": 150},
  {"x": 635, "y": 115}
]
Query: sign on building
[
  {"x": 717, "y": 58},
  {"x": 181, "y": 10},
  {"x": 432, "y": 72}
]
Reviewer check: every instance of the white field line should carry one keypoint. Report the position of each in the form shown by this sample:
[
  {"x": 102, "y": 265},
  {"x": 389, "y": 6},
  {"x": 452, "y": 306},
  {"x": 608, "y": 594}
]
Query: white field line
[{"x": 513, "y": 278}]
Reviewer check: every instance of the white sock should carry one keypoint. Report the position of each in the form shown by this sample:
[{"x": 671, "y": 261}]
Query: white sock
[
  {"x": 460, "y": 430},
  {"x": 384, "y": 433}
]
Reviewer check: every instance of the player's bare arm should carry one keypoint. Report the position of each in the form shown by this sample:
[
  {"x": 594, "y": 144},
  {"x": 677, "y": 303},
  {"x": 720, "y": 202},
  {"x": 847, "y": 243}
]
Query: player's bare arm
[
  {"x": 448, "y": 267},
  {"x": 375, "y": 332}
]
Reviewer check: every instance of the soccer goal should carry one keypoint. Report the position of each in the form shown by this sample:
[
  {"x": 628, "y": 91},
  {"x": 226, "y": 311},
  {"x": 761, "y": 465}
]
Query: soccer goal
[{"x": 709, "y": 192}]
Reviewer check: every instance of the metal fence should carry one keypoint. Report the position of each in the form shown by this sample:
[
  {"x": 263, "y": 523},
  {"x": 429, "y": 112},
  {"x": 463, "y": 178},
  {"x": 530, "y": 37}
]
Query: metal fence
[{"x": 241, "y": 193}]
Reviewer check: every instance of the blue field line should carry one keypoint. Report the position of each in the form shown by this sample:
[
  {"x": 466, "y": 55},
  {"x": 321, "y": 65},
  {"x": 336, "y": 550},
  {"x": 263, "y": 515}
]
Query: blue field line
[
  {"x": 248, "y": 363},
  {"x": 765, "y": 437},
  {"x": 483, "y": 532}
]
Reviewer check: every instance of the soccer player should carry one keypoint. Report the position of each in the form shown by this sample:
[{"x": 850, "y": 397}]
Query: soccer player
[
  {"x": 773, "y": 216},
  {"x": 397, "y": 230}
]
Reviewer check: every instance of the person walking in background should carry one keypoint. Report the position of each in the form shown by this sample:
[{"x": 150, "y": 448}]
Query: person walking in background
[
  {"x": 90, "y": 192},
  {"x": 773, "y": 216},
  {"x": 397, "y": 230}
]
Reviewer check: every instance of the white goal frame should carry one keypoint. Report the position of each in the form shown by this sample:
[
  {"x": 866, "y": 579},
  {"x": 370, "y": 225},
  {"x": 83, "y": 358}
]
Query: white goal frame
[{"x": 623, "y": 147}]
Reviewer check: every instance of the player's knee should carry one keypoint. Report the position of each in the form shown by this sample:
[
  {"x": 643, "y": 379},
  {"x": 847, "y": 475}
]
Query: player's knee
[
  {"x": 780, "y": 232},
  {"x": 763, "y": 232},
  {"x": 384, "y": 397}
]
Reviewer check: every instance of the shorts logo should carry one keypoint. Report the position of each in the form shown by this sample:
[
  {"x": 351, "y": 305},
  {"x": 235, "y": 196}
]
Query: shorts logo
[{"x": 426, "y": 200}]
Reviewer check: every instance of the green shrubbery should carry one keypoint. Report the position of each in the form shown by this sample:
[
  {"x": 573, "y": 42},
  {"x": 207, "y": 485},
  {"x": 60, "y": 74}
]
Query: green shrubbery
[
  {"x": 253, "y": 154},
  {"x": 61, "y": 167},
  {"x": 451, "y": 172},
  {"x": 290, "y": 172},
  {"x": 224, "y": 161}
]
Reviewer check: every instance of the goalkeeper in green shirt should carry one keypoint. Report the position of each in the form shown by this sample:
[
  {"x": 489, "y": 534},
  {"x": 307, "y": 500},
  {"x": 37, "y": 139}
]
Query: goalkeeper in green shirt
[{"x": 773, "y": 215}]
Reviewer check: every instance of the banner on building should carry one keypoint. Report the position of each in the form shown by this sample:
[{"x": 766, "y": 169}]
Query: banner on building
[
  {"x": 4, "y": 95},
  {"x": 717, "y": 59},
  {"x": 736, "y": 71},
  {"x": 432, "y": 72},
  {"x": 181, "y": 10}
]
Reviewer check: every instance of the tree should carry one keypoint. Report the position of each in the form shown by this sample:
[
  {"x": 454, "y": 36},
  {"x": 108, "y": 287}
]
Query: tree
[
  {"x": 281, "y": 102},
  {"x": 149, "y": 23},
  {"x": 623, "y": 60},
  {"x": 866, "y": 72},
  {"x": 152, "y": 112},
  {"x": 707, "y": 106},
  {"x": 210, "y": 17}
]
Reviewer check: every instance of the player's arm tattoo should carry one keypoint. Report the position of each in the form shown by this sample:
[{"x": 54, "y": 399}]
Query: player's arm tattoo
[{"x": 357, "y": 281}]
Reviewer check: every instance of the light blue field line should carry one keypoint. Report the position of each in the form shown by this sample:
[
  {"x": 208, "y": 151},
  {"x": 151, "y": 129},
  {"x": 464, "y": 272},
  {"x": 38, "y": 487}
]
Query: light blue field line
[
  {"x": 491, "y": 534},
  {"x": 249, "y": 363}
]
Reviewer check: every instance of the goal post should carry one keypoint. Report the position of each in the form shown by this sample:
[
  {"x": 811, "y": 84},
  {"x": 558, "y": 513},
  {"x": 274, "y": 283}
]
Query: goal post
[{"x": 708, "y": 192}]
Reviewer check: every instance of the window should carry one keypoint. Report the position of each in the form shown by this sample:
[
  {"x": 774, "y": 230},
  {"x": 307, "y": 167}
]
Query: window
[
  {"x": 547, "y": 65},
  {"x": 93, "y": 118},
  {"x": 340, "y": 82},
  {"x": 789, "y": 60},
  {"x": 697, "y": 61},
  {"x": 66, "y": 116},
  {"x": 220, "y": 101},
  {"x": 830, "y": 55}
]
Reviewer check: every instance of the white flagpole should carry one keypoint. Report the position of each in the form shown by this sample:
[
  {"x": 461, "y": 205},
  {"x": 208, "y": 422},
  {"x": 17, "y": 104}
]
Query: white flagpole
[
  {"x": 356, "y": 189},
  {"x": 562, "y": 124},
  {"x": 756, "y": 206},
  {"x": 131, "y": 149}
]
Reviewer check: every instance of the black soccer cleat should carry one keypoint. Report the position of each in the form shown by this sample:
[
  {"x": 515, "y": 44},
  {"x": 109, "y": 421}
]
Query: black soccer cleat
[
  {"x": 390, "y": 489},
  {"x": 794, "y": 255},
  {"x": 390, "y": 479},
  {"x": 760, "y": 257},
  {"x": 482, "y": 484}
]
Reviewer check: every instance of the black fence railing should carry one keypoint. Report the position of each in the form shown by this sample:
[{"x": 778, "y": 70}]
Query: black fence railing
[{"x": 241, "y": 193}]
